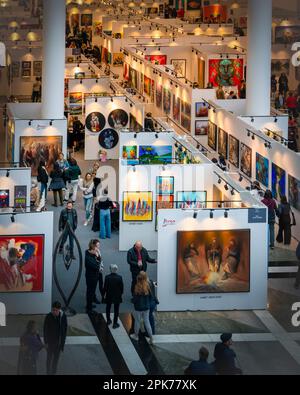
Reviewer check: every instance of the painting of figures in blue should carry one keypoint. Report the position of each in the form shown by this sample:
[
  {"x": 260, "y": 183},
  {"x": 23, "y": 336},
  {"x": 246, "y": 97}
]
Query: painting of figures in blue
[
  {"x": 278, "y": 181},
  {"x": 262, "y": 170},
  {"x": 155, "y": 155}
]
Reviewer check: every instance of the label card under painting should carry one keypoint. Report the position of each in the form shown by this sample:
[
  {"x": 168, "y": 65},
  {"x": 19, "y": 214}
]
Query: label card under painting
[{"x": 257, "y": 216}]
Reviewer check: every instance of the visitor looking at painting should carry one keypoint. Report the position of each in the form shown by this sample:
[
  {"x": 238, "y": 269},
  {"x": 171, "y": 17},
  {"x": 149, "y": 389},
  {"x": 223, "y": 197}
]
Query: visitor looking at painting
[{"x": 272, "y": 211}]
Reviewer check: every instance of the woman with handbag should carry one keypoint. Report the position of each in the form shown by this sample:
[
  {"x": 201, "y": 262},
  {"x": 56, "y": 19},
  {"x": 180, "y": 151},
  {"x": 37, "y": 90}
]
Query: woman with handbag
[{"x": 285, "y": 224}]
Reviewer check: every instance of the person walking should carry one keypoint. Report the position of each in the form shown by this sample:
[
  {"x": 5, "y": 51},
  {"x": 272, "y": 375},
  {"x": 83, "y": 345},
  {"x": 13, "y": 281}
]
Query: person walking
[
  {"x": 57, "y": 185},
  {"x": 284, "y": 214},
  {"x": 137, "y": 258},
  {"x": 73, "y": 174},
  {"x": 141, "y": 302},
  {"x": 36, "y": 88},
  {"x": 292, "y": 104},
  {"x": 105, "y": 204},
  {"x": 93, "y": 274},
  {"x": 86, "y": 185},
  {"x": 149, "y": 124},
  {"x": 55, "y": 333},
  {"x": 63, "y": 164},
  {"x": 30, "y": 346},
  {"x": 68, "y": 214},
  {"x": 272, "y": 210},
  {"x": 225, "y": 357},
  {"x": 43, "y": 179},
  {"x": 113, "y": 291},
  {"x": 201, "y": 367}
]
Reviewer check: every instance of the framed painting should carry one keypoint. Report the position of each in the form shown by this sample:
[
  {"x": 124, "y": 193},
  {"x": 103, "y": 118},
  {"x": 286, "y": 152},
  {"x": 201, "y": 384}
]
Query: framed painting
[
  {"x": 233, "y": 77},
  {"x": 20, "y": 196},
  {"x": 262, "y": 170},
  {"x": 212, "y": 136},
  {"x": 163, "y": 202},
  {"x": 87, "y": 20},
  {"x": 155, "y": 154},
  {"x": 201, "y": 110},
  {"x": 193, "y": 5},
  {"x": 176, "y": 108},
  {"x": 21, "y": 263},
  {"x": 278, "y": 182},
  {"x": 179, "y": 66},
  {"x": 246, "y": 160},
  {"x": 134, "y": 125},
  {"x": 95, "y": 122},
  {"x": 4, "y": 198},
  {"x": 33, "y": 149},
  {"x": 137, "y": 206},
  {"x": 37, "y": 68},
  {"x": 216, "y": 261},
  {"x": 191, "y": 200},
  {"x": 166, "y": 101},
  {"x": 75, "y": 103},
  {"x": 164, "y": 185},
  {"x": 158, "y": 95},
  {"x": 157, "y": 59},
  {"x": 15, "y": 69},
  {"x": 129, "y": 153},
  {"x": 294, "y": 192},
  {"x": 147, "y": 85},
  {"x": 234, "y": 151},
  {"x": 287, "y": 34},
  {"x": 201, "y": 128},
  {"x": 223, "y": 143},
  {"x": 118, "y": 59}
]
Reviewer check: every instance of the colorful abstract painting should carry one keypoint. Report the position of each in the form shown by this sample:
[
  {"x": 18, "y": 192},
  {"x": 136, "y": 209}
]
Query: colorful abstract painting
[
  {"x": 278, "y": 182},
  {"x": 147, "y": 85},
  {"x": 21, "y": 263},
  {"x": 226, "y": 72},
  {"x": 262, "y": 170},
  {"x": 234, "y": 151},
  {"x": 137, "y": 206},
  {"x": 191, "y": 200},
  {"x": 215, "y": 13},
  {"x": 216, "y": 261},
  {"x": 164, "y": 185},
  {"x": 294, "y": 192},
  {"x": 20, "y": 196},
  {"x": 154, "y": 155},
  {"x": 246, "y": 160},
  {"x": 4, "y": 198},
  {"x": 223, "y": 143},
  {"x": 176, "y": 108},
  {"x": 157, "y": 59}
]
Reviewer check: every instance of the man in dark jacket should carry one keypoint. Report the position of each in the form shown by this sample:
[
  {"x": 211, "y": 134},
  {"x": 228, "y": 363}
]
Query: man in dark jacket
[
  {"x": 55, "y": 333},
  {"x": 149, "y": 125},
  {"x": 113, "y": 291},
  {"x": 225, "y": 357},
  {"x": 201, "y": 367},
  {"x": 68, "y": 215},
  {"x": 137, "y": 258}
]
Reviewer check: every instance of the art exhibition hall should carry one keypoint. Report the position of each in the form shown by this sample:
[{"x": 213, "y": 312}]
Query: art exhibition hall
[{"x": 149, "y": 187}]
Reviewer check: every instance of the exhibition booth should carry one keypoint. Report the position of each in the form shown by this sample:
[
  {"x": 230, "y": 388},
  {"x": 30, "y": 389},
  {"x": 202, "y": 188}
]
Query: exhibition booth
[{"x": 15, "y": 187}]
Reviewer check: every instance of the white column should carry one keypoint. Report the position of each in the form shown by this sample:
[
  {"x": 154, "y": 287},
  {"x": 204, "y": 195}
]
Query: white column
[
  {"x": 54, "y": 21},
  {"x": 259, "y": 57}
]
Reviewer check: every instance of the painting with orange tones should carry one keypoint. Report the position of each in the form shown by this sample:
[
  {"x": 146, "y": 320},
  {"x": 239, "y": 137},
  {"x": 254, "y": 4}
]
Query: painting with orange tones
[
  {"x": 215, "y": 13},
  {"x": 216, "y": 261},
  {"x": 226, "y": 72},
  {"x": 157, "y": 59},
  {"x": 21, "y": 263}
]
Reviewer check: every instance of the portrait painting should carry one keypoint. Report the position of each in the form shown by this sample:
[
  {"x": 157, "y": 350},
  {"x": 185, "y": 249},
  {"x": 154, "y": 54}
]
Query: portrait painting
[
  {"x": 164, "y": 185},
  {"x": 191, "y": 199},
  {"x": 179, "y": 66},
  {"x": 294, "y": 192},
  {"x": 20, "y": 196},
  {"x": 216, "y": 261},
  {"x": 34, "y": 149},
  {"x": 108, "y": 138},
  {"x": 166, "y": 101},
  {"x": 137, "y": 206},
  {"x": 201, "y": 110},
  {"x": 95, "y": 122},
  {"x": 212, "y": 135},
  {"x": 223, "y": 143},
  {"x": 21, "y": 263},
  {"x": 201, "y": 128},
  {"x": 155, "y": 154},
  {"x": 287, "y": 34},
  {"x": 278, "y": 182},
  {"x": 226, "y": 72},
  {"x": 133, "y": 78},
  {"x": 262, "y": 170},
  {"x": 118, "y": 118},
  {"x": 234, "y": 151},
  {"x": 246, "y": 160},
  {"x": 4, "y": 198}
]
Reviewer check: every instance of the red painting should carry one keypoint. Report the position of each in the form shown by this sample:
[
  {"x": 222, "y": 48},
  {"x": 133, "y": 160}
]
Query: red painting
[
  {"x": 21, "y": 263},
  {"x": 215, "y": 13},
  {"x": 157, "y": 59},
  {"x": 226, "y": 72}
]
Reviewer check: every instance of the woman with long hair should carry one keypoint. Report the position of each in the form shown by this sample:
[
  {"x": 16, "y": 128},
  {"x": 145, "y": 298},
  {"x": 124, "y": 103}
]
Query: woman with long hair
[
  {"x": 142, "y": 302},
  {"x": 86, "y": 185},
  {"x": 30, "y": 346},
  {"x": 43, "y": 179}
]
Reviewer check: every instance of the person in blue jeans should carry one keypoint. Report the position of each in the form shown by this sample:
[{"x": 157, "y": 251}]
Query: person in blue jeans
[{"x": 105, "y": 204}]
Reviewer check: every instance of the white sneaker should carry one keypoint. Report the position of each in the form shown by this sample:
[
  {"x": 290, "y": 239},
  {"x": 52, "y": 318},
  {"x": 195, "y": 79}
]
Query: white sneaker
[
  {"x": 150, "y": 340},
  {"x": 86, "y": 223},
  {"x": 134, "y": 337}
]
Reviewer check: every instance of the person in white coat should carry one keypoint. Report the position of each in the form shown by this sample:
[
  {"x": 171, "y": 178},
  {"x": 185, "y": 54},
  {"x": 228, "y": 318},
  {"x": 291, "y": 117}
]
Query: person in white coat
[{"x": 86, "y": 185}]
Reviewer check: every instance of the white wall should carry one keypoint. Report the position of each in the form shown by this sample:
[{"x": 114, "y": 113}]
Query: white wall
[
  {"x": 281, "y": 126},
  {"x": 17, "y": 176},
  {"x": 167, "y": 256},
  {"x": 31, "y": 224}
]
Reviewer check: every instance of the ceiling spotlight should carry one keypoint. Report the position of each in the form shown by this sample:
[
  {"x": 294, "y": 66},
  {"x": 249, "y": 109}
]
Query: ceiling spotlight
[
  {"x": 135, "y": 135},
  {"x": 51, "y": 122},
  {"x": 232, "y": 192},
  {"x": 156, "y": 135},
  {"x": 198, "y": 146},
  {"x": 211, "y": 214},
  {"x": 134, "y": 168},
  {"x": 111, "y": 99},
  {"x": 241, "y": 178},
  {"x": 226, "y": 213},
  {"x": 275, "y": 120},
  {"x": 12, "y": 218},
  {"x": 81, "y": 81},
  {"x": 96, "y": 100},
  {"x": 266, "y": 144},
  {"x": 131, "y": 105},
  {"x": 226, "y": 187},
  {"x": 163, "y": 168},
  {"x": 195, "y": 214},
  {"x": 248, "y": 134},
  {"x": 219, "y": 181},
  {"x": 126, "y": 100},
  {"x": 253, "y": 137},
  {"x": 252, "y": 119},
  {"x": 30, "y": 122},
  {"x": 7, "y": 173},
  {"x": 96, "y": 81}
]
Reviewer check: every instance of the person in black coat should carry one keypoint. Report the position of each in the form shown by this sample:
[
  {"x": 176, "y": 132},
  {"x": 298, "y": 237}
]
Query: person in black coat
[
  {"x": 149, "y": 125},
  {"x": 55, "y": 333},
  {"x": 57, "y": 184},
  {"x": 113, "y": 291},
  {"x": 68, "y": 214},
  {"x": 93, "y": 270},
  {"x": 137, "y": 258},
  {"x": 43, "y": 178},
  {"x": 201, "y": 367},
  {"x": 225, "y": 357},
  {"x": 284, "y": 231}
]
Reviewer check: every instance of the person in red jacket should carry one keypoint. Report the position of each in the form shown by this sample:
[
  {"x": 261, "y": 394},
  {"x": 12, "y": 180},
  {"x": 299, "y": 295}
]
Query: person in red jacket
[{"x": 291, "y": 103}]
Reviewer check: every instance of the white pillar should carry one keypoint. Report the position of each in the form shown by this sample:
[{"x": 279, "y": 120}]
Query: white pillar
[
  {"x": 259, "y": 57},
  {"x": 54, "y": 21}
]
